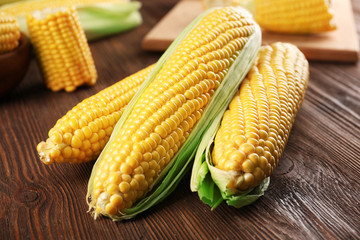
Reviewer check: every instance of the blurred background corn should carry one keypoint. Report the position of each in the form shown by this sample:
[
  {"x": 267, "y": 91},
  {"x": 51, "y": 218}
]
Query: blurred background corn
[
  {"x": 9, "y": 33},
  {"x": 3, "y": 2},
  {"x": 255, "y": 129},
  {"x": 219, "y": 3},
  {"x": 293, "y": 16},
  {"x": 82, "y": 133},
  {"x": 62, "y": 49},
  {"x": 28, "y": 6},
  {"x": 248, "y": 4},
  {"x": 167, "y": 111}
]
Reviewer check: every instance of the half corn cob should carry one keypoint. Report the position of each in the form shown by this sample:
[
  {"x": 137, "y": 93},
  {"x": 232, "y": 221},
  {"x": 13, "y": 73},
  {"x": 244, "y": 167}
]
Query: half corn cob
[
  {"x": 293, "y": 16},
  {"x": 62, "y": 48},
  {"x": 9, "y": 33},
  {"x": 157, "y": 135},
  {"x": 82, "y": 133},
  {"x": 255, "y": 129}
]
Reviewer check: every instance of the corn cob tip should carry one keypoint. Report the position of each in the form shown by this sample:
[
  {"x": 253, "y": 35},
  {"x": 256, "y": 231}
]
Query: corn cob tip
[
  {"x": 48, "y": 151},
  {"x": 94, "y": 212},
  {"x": 98, "y": 207}
]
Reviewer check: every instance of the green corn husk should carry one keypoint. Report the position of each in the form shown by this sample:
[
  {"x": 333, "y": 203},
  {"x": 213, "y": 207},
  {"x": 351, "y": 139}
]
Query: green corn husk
[
  {"x": 211, "y": 182},
  {"x": 181, "y": 162},
  {"x": 98, "y": 20},
  {"x": 108, "y": 18}
]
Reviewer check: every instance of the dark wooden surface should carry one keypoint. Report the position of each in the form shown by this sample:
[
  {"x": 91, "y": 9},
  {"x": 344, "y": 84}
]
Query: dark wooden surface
[{"x": 313, "y": 194}]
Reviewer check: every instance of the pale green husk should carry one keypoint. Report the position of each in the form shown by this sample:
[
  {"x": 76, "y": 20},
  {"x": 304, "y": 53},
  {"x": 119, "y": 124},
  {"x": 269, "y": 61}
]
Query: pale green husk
[
  {"x": 100, "y": 19},
  {"x": 211, "y": 182},
  {"x": 181, "y": 162},
  {"x": 106, "y": 19}
]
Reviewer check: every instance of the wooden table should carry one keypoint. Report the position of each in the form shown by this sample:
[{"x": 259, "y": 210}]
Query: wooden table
[{"x": 313, "y": 194}]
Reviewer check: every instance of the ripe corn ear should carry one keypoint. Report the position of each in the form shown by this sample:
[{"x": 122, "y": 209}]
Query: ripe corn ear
[
  {"x": 9, "y": 33},
  {"x": 254, "y": 130},
  {"x": 62, "y": 49},
  {"x": 157, "y": 136},
  {"x": 82, "y": 133},
  {"x": 295, "y": 17}
]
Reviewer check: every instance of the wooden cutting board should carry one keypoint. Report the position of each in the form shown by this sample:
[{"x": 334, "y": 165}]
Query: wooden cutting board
[{"x": 339, "y": 45}]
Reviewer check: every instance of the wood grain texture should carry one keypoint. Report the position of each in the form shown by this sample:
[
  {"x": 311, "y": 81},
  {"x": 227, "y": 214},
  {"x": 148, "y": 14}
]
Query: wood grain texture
[{"x": 313, "y": 194}]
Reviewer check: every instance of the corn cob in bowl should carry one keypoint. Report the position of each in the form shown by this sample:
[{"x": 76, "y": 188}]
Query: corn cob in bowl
[
  {"x": 14, "y": 53},
  {"x": 9, "y": 33},
  {"x": 236, "y": 157},
  {"x": 155, "y": 139}
]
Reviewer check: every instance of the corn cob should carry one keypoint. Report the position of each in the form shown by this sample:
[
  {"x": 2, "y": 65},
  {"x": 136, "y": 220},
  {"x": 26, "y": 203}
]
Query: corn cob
[
  {"x": 206, "y": 4},
  {"x": 9, "y": 33},
  {"x": 26, "y": 7},
  {"x": 159, "y": 129},
  {"x": 254, "y": 131},
  {"x": 62, "y": 48},
  {"x": 292, "y": 16},
  {"x": 82, "y": 133}
]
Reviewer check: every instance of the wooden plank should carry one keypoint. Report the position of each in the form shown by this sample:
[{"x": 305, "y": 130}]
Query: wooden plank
[
  {"x": 171, "y": 25},
  {"x": 313, "y": 193},
  {"x": 339, "y": 45}
]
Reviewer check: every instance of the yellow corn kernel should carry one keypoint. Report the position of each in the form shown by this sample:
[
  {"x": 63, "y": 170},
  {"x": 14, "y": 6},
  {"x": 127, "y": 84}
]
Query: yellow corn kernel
[
  {"x": 107, "y": 102},
  {"x": 9, "y": 33},
  {"x": 268, "y": 99},
  {"x": 291, "y": 16},
  {"x": 62, "y": 48},
  {"x": 170, "y": 107},
  {"x": 26, "y": 7}
]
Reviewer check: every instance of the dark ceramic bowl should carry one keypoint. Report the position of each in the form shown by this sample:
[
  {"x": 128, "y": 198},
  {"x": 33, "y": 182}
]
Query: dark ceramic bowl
[{"x": 13, "y": 65}]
